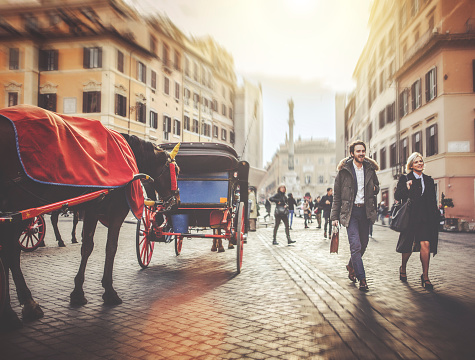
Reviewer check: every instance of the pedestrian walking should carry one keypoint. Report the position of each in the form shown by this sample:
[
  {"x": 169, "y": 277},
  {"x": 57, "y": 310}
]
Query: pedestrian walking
[
  {"x": 268, "y": 207},
  {"x": 326, "y": 204},
  {"x": 354, "y": 205},
  {"x": 281, "y": 213},
  {"x": 423, "y": 232},
  {"x": 382, "y": 211},
  {"x": 292, "y": 204},
  {"x": 392, "y": 210},
  {"x": 310, "y": 205},
  {"x": 253, "y": 209},
  {"x": 306, "y": 212},
  {"x": 318, "y": 212}
]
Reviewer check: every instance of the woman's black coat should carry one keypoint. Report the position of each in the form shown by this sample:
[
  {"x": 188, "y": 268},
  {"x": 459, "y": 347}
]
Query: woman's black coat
[
  {"x": 424, "y": 212},
  {"x": 280, "y": 199}
]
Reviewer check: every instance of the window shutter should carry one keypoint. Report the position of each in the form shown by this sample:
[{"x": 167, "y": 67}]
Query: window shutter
[
  {"x": 42, "y": 60},
  {"x": 116, "y": 110},
  {"x": 99, "y": 61},
  {"x": 401, "y": 105},
  {"x": 84, "y": 102},
  {"x": 98, "y": 101},
  {"x": 86, "y": 58},
  {"x": 413, "y": 96},
  {"x": 56, "y": 56},
  {"x": 53, "y": 102},
  {"x": 428, "y": 153},
  {"x": 124, "y": 106},
  {"x": 435, "y": 82},
  {"x": 427, "y": 87}
]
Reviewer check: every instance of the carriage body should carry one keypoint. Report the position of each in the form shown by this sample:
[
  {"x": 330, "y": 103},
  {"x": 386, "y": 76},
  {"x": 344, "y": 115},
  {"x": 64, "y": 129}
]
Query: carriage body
[{"x": 213, "y": 187}]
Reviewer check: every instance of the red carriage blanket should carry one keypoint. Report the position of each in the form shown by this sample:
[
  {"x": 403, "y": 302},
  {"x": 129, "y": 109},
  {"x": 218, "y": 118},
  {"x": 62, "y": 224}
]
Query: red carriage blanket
[{"x": 67, "y": 150}]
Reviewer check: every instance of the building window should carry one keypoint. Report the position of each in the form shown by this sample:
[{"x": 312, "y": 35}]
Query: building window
[
  {"x": 140, "y": 112},
  {"x": 369, "y": 131},
  {"x": 153, "y": 44},
  {"x": 166, "y": 85},
  {"x": 153, "y": 120},
  {"x": 224, "y": 134},
  {"x": 92, "y": 57},
  {"x": 177, "y": 127},
  {"x": 308, "y": 179},
  {"x": 432, "y": 141},
  {"x": 187, "y": 67},
  {"x": 186, "y": 123},
  {"x": 431, "y": 84},
  {"x": 215, "y": 131},
  {"x": 215, "y": 105},
  {"x": 231, "y": 137},
  {"x": 14, "y": 59},
  {"x": 223, "y": 109},
  {"x": 153, "y": 82},
  {"x": 390, "y": 113},
  {"x": 195, "y": 126},
  {"x": 91, "y": 102},
  {"x": 404, "y": 150},
  {"x": 417, "y": 142},
  {"x": 47, "y": 101},
  {"x": 120, "y": 105},
  {"x": 177, "y": 91},
  {"x": 206, "y": 129},
  {"x": 48, "y": 60},
  {"x": 176, "y": 60},
  {"x": 416, "y": 94},
  {"x": 382, "y": 155},
  {"x": 186, "y": 96},
  {"x": 196, "y": 100},
  {"x": 403, "y": 103},
  {"x": 195, "y": 72},
  {"x": 231, "y": 113},
  {"x": 141, "y": 72},
  {"x": 120, "y": 61},
  {"x": 392, "y": 155},
  {"x": 167, "y": 127},
  {"x": 382, "y": 120},
  {"x": 165, "y": 55},
  {"x": 321, "y": 179},
  {"x": 12, "y": 98}
]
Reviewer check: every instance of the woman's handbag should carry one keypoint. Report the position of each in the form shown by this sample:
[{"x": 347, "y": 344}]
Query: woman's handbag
[
  {"x": 281, "y": 210},
  {"x": 335, "y": 240},
  {"x": 400, "y": 216}
]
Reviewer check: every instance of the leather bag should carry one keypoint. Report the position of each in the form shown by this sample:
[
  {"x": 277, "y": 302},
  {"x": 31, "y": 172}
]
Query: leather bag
[
  {"x": 281, "y": 210},
  {"x": 400, "y": 216},
  {"x": 335, "y": 240}
]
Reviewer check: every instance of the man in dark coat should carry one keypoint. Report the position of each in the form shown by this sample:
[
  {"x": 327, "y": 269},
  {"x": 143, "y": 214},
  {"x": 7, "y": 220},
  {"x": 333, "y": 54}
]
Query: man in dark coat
[
  {"x": 326, "y": 204},
  {"x": 354, "y": 205}
]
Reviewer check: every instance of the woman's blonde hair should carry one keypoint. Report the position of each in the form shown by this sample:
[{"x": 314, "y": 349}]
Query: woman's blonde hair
[{"x": 411, "y": 159}]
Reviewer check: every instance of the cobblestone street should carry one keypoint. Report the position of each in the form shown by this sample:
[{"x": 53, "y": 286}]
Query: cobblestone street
[{"x": 289, "y": 302}]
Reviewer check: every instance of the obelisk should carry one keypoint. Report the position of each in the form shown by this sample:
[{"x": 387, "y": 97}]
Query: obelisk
[{"x": 291, "y": 175}]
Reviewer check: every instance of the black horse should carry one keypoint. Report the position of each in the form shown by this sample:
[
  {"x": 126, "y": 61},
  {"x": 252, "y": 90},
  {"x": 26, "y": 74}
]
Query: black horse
[{"x": 19, "y": 192}]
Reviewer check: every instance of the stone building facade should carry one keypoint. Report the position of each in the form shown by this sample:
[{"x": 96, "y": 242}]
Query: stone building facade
[{"x": 415, "y": 92}]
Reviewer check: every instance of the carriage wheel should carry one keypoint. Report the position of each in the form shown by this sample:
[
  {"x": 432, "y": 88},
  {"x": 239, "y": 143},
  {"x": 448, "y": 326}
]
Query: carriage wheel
[
  {"x": 33, "y": 235},
  {"x": 178, "y": 244},
  {"x": 144, "y": 246},
  {"x": 3, "y": 287},
  {"x": 240, "y": 231}
]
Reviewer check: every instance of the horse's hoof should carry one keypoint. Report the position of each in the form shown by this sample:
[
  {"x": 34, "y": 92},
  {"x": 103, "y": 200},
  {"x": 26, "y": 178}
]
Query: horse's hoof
[
  {"x": 74, "y": 241},
  {"x": 111, "y": 298},
  {"x": 61, "y": 243},
  {"x": 32, "y": 311},
  {"x": 221, "y": 249},
  {"x": 230, "y": 246},
  {"x": 77, "y": 298},
  {"x": 10, "y": 321},
  {"x": 42, "y": 244},
  {"x": 214, "y": 248}
]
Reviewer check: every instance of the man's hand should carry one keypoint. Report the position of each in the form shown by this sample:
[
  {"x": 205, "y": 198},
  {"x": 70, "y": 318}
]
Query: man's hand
[
  {"x": 408, "y": 184},
  {"x": 327, "y": 202},
  {"x": 335, "y": 222}
]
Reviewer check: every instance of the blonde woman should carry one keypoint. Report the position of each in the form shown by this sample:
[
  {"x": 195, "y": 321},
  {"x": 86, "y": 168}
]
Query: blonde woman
[{"x": 423, "y": 233}]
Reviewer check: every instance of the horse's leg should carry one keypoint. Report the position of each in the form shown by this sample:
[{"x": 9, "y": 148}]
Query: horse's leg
[
  {"x": 8, "y": 318},
  {"x": 75, "y": 223},
  {"x": 110, "y": 296},
  {"x": 31, "y": 310},
  {"x": 54, "y": 222},
  {"x": 220, "y": 241},
  {"x": 89, "y": 227}
]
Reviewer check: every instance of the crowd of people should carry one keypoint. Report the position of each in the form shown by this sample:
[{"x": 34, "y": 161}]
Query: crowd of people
[{"x": 352, "y": 204}]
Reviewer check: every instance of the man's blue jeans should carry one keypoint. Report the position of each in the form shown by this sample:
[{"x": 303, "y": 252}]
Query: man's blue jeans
[
  {"x": 291, "y": 217},
  {"x": 358, "y": 237}
]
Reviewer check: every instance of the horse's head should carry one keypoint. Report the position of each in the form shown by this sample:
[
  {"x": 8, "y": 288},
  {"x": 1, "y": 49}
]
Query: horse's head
[{"x": 165, "y": 178}]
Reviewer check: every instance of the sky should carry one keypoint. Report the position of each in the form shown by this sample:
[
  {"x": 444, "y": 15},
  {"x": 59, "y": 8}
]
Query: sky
[{"x": 301, "y": 49}]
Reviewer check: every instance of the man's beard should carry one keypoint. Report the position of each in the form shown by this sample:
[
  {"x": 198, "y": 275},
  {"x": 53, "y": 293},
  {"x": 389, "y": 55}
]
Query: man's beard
[{"x": 358, "y": 159}]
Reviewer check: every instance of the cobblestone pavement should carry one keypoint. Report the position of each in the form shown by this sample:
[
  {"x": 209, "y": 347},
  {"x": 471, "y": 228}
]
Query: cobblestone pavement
[{"x": 289, "y": 302}]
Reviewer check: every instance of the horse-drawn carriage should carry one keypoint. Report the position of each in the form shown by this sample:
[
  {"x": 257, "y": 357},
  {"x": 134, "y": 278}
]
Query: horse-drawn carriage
[{"x": 213, "y": 186}]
